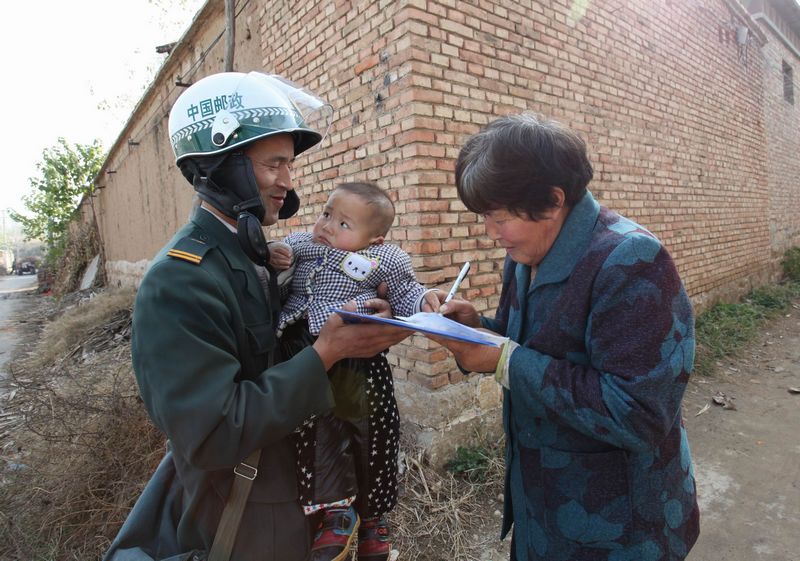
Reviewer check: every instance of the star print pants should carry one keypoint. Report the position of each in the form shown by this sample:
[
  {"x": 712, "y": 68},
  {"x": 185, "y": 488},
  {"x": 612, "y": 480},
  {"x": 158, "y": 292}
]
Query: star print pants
[{"x": 353, "y": 450}]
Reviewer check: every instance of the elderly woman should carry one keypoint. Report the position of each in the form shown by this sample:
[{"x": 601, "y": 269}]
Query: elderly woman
[{"x": 599, "y": 348}]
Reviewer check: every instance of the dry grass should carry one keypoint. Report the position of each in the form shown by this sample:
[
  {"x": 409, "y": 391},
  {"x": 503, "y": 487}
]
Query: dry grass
[
  {"x": 442, "y": 517},
  {"x": 83, "y": 325},
  {"x": 80, "y": 442}
]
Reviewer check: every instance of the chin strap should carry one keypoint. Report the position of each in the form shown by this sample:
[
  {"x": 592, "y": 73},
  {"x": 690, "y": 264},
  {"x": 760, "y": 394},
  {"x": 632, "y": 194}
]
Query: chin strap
[{"x": 227, "y": 182}]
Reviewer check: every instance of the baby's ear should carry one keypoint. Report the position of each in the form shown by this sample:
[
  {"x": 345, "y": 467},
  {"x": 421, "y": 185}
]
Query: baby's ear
[{"x": 378, "y": 240}]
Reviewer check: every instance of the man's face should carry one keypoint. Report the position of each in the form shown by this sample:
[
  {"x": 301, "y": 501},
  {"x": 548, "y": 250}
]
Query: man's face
[
  {"x": 272, "y": 160},
  {"x": 346, "y": 223}
]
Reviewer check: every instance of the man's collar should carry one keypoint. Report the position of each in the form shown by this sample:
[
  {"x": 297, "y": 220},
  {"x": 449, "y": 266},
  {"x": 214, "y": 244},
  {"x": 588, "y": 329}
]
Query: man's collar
[
  {"x": 571, "y": 243},
  {"x": 228, "y": 225},
  {"x": 221, "y": 233}
]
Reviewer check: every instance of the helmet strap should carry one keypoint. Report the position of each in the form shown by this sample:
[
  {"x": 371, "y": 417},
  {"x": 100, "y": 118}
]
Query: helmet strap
[
  {"x": 249, "y": 232},
  {"x": 251, "y": 238},
  {"x": 226, "y": 181}
]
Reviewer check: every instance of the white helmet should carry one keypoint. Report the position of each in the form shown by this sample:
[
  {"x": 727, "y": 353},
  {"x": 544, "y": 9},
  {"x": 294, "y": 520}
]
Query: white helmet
[{"x": 233, "y": 109}]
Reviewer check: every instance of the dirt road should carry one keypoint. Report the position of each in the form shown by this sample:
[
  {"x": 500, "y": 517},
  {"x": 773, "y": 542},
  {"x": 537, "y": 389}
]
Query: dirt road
[
  {"x": 747, "y": 459},
  {"x": 14, "y": 293}
]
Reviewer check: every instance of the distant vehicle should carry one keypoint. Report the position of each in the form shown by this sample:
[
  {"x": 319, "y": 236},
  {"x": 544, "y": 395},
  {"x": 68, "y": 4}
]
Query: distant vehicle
[{"x": 26, "y": 269}]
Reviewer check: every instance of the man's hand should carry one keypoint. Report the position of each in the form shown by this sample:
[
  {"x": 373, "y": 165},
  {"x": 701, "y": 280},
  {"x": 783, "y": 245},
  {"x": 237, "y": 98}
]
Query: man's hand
[
  {"x": 338, "y": 340},
  {"x": 280, "y": 256}
]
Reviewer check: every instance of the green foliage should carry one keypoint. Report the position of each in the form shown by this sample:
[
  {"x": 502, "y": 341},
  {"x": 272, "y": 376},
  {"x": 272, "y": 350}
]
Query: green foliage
[
  {"x": 471, "y": 463},
  {"x": 791, "y": 264},
  {"x": 723, "y": 329},
  {"x": 66, "y": 175}
]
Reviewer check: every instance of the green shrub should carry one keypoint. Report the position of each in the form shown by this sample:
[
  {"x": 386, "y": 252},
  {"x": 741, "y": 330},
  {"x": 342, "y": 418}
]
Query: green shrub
[
  {"x": 768, "y": 301},
  {"x": 470, "y": 463},
  {"x": 791, "y": 264},
  {"x": 723, "y": 329}
]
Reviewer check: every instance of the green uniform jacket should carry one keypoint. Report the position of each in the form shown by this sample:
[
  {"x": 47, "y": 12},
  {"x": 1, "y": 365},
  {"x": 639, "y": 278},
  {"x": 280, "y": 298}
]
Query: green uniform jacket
[{"x": 203, "y": 339}]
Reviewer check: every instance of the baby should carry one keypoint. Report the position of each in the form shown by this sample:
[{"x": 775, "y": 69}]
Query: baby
[{"x": 347, "y": 460}]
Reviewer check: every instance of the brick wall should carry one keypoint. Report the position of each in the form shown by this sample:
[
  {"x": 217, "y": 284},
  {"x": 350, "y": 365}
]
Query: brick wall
[
  {"x": 685, "y": 128},
  {"x": 670, "y": 110},
  {"x": 385, "y": 130}
]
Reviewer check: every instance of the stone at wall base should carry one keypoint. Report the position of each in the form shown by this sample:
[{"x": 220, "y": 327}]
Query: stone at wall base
[
  {"x": 439, "y": 421},
  {"x": 125, "y": 274}
]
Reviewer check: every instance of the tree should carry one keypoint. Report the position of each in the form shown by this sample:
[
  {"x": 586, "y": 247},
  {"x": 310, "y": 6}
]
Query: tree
[{"x": 67, "y": 174}]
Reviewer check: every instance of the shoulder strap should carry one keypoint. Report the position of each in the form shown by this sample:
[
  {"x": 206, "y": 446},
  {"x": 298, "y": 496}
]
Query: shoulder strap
[
  {"x": 245, "y": 474},
  {"x": 191, "y": 248}
]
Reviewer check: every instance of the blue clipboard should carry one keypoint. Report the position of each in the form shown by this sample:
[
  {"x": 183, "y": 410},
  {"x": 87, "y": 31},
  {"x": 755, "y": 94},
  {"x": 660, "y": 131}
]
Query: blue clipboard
[{"x": 426, "y": 322}]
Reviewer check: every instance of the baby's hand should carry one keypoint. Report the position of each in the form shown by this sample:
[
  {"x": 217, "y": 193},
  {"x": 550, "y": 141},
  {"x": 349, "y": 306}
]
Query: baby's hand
[{"x": 280, "y": 256}]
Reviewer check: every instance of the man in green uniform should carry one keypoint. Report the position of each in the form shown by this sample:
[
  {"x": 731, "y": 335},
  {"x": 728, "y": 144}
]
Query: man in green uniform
[{"x": 204, "y": 345}]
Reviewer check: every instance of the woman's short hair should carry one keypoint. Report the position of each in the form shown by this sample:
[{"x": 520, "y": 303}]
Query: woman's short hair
[
  {"x": 377, "y": 199},
  {"x": 516, "y": 161}
]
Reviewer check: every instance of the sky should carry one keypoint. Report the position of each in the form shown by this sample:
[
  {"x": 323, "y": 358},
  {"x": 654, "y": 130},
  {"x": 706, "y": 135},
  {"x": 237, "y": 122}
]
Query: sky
[{"x": 75, "y": 69}]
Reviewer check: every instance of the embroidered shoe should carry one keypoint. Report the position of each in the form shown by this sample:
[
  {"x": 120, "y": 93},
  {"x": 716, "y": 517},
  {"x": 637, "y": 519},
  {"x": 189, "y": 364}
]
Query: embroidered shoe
[
  {"x": 373, "y": 540},
  {"x": 335, "y": 534}
]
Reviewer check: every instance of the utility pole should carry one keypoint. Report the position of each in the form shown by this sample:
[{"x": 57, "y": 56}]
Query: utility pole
[{"x": 230, "y": 32}]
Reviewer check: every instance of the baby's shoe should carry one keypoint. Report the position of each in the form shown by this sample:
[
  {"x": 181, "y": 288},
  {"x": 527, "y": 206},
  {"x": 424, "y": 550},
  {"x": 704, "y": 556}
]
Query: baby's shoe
[
  {"x": 373, "y": 540},
  {"x": 335, "y": 534}
]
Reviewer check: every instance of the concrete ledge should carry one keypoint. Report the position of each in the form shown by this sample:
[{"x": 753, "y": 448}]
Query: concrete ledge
[{"x": 463, "y": 414}]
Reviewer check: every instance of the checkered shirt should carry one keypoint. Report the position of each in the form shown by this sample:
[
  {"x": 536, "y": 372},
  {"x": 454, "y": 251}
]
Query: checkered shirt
[{"x": 326, "y": 278}]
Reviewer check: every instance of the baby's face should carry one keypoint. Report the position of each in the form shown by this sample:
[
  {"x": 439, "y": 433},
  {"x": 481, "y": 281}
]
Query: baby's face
[{"x": 345, "y": 223}]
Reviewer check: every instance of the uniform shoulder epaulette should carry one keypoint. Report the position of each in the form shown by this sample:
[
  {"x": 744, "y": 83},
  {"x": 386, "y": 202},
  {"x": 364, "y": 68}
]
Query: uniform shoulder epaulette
[{"x": 192, "y": 248}]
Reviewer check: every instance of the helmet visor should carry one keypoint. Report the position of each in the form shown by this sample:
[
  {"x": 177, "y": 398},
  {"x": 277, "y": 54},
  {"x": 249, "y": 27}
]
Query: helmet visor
[{"x": 315, "y": 114}]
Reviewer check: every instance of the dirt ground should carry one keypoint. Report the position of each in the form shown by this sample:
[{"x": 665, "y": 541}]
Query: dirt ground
[
  {"x": 746, "y": 451},
  {"x": 747, "y": 459},
  {"x": 746, "y": 456}
]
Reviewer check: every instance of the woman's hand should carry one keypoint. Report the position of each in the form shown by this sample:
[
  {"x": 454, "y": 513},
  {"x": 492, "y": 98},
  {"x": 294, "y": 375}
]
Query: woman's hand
[
  {"x": 461, "y": 311},
  {"x": 338, "y": 340},
  {"x": 471, "y": 356},
  {"x": 432, "y": 300}
]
